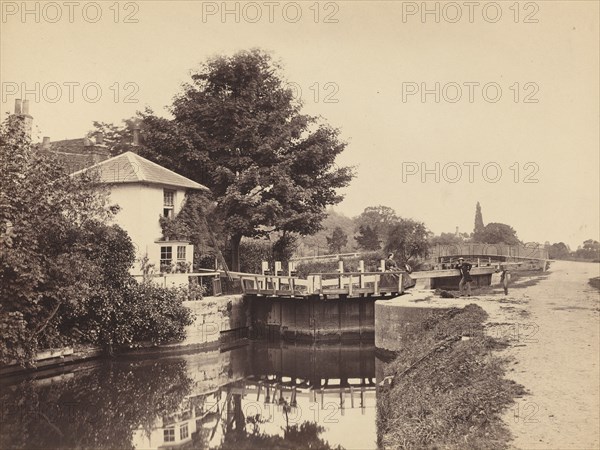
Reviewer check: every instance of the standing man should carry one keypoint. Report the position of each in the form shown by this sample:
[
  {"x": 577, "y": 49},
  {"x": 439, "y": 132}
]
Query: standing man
[
  {"x": 504, "y": 278},
  {"x": 465, "y": 272}
]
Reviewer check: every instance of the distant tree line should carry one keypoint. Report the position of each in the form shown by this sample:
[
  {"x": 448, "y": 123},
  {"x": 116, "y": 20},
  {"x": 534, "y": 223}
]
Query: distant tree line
[{"x": 589, "y": 250}]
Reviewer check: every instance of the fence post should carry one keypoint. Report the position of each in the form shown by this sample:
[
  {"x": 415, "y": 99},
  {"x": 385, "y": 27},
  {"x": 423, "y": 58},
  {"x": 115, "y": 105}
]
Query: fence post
[
  {"x": 382, "y": 265},
  {"x": 341, "y": 275},
  {"x": 361, "y": 279}
]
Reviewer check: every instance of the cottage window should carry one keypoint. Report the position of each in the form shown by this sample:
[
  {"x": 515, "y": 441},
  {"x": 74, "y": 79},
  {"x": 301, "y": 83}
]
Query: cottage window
[
  {"x": 181, "y": 252},
  {"x": 168, "y": 202},
  {"x": 166, "y": 255},
  {"x": 169, "y": 434},
  {"x": 183, "y": 432}
]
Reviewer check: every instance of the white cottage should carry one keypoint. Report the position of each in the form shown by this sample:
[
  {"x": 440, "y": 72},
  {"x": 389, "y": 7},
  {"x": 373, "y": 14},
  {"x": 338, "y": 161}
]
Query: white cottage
[{"x": 145, "y": 191}]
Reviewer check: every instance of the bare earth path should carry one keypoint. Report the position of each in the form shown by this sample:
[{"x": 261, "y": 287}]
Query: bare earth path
[{"x": 557, "y": 360}]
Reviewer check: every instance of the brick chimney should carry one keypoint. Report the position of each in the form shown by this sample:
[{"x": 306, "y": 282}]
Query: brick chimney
[
  {"x": 99, "y": 151},
  {"x": 22, "y": 115}
]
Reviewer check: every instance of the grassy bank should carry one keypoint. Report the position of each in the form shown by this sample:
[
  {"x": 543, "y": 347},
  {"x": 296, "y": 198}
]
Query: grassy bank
[{"x": 448, "y": 388}]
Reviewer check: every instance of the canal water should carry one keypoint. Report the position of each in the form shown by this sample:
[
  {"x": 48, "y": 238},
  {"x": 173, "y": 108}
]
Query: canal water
[{"x": 259, "y": 395}]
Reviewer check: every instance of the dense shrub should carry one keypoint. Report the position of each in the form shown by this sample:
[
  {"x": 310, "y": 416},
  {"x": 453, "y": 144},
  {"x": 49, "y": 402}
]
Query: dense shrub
[
  {"x": 205, "y": 261},
  {"x": 137, "y": 313},
  {"x": 253, "y": 252},
  {"x": 152, "y": 313}
]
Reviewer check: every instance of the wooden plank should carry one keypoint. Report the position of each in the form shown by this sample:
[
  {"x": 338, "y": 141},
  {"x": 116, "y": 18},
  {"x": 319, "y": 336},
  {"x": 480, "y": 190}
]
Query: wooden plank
[
  {"x": 338, "y": 291},
  {"x": 357, "y": 291},
  {"x": 266, "y": 291}
]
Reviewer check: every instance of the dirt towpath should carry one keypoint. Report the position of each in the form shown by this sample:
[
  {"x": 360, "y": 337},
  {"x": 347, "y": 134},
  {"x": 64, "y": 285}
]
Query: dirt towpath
[{"x": 556, "y": 357}]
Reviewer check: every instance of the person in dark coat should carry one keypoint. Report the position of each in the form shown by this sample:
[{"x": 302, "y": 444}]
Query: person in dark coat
[
  {"x": 465, "y": 272},
  {"x": 390, "y": 264}
]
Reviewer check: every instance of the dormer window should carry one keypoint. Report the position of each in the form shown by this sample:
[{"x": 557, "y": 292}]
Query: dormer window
[{"x": 168, "y": 203}]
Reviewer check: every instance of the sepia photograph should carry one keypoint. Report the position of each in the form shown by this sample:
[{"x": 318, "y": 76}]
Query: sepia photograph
[{"x": 320, "y": 225}]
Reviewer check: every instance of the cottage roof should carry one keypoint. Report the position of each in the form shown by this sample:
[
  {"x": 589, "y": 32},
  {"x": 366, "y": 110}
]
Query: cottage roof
[{"x": 129, "y": 167}]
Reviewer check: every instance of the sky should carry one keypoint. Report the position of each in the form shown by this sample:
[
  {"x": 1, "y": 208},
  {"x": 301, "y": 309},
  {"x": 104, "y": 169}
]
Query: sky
[{"x": 442, "y": 104}]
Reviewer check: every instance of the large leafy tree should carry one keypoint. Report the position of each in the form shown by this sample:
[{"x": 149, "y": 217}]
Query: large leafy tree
[
  {"x": 408, "y": 239},
  {"x": 496, "y": 233},
  {"x": 238, "y": 130}
]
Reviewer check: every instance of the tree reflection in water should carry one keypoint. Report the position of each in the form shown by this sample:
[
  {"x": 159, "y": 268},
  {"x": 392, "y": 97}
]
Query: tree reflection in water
[
  {"x": 199, "y": 400},
  {"x": 243, "y": 433},
  {"x": 98, "y": 408}
]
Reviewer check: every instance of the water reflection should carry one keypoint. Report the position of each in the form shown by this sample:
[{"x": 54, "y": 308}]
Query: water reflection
[{"x": 256, "y": 396}]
